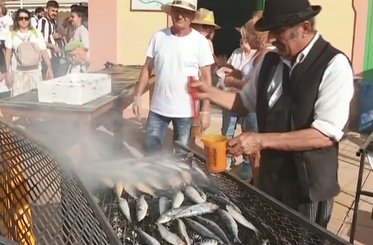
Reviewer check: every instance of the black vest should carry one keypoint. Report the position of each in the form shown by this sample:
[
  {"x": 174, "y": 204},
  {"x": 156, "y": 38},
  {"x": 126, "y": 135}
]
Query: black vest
[{"x": 314, "y": 172}]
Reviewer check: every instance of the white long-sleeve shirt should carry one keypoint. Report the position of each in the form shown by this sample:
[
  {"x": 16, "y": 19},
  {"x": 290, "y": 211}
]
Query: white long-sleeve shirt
[{"x": 335, "y": 92}]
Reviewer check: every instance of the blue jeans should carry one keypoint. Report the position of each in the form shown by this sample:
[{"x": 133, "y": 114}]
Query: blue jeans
[
  {"x": 231, "y": 119},
  {"x": 156, "y": 128},
  {"x": 250, "y": 123},
  {"x": 229, "y": 124}
]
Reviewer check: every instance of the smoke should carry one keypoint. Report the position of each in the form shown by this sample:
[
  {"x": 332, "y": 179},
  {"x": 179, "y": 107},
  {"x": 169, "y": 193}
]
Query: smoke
[
  {"x": 106, "y": 165},
  {"x": 153, "y": 175}
]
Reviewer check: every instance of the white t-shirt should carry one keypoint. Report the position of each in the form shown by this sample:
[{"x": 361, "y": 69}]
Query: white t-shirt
[
  {"x": 176, "y": 58},
  {"x": 239, "y": 58},
  {"x": 13, "y": 41},
  {"x": 81, "y": 34},
  {"x": 5, "y": 22}
]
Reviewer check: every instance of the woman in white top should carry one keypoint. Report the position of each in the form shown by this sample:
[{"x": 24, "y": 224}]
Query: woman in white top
[
  {"x": 79, "y": 56},
  {"x": 232, "y": 69},
  {"x": 22, "y": 79},
  {"x": 259, "y": 41}
]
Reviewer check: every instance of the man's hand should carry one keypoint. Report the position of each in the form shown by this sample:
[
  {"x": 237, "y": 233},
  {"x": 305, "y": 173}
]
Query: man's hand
[
  {"x": 202, "y": 89},
  {"x": 246, "y": 143},
  {"x": 136, "y": 106}
]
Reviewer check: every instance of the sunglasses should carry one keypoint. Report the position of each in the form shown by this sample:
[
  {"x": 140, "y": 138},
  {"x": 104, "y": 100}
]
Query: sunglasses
[{"x": 23, "y": 18}]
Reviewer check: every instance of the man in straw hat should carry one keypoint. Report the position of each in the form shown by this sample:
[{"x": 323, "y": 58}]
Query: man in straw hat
[
  {"x": 173, "y": 55},
  {"x": 301, "y": 95}
]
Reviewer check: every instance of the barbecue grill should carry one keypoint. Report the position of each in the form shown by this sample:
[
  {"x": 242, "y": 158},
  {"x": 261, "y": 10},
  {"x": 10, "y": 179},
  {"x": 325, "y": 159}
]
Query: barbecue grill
[{"x": 43, "y": 202}]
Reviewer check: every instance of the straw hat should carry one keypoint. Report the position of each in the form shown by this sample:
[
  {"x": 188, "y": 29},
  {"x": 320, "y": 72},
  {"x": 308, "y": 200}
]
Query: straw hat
[
  {"x": 205, "y": 17},
  {"x": 184, "y": 4}
]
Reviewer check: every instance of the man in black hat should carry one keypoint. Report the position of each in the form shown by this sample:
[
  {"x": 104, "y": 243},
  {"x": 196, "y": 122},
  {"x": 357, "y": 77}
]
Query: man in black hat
[{"x": 301, "y": 95}]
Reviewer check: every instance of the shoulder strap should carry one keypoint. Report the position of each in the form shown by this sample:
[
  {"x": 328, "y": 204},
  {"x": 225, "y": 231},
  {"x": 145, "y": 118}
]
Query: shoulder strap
[{"x": 33, "y": 31}]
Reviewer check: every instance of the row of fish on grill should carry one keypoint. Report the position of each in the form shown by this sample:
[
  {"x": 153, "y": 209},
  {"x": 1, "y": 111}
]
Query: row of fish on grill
[{"x": 187, "y": 203}]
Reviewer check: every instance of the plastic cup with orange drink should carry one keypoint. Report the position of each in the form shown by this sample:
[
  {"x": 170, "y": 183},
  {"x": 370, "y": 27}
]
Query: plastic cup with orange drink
[{"x": 216, "y": 152}]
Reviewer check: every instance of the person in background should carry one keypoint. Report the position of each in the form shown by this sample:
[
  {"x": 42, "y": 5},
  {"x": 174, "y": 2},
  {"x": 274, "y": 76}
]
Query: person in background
[
  {"x": 174, "y": 54},
  {"x": 38, "y": 14},
  {"x": 261, "y": 44},
  {"x": 47, "y": 25},
  {"x": 301, "y": 95},
  {"x": 204, "y": 23},
  {"x": 23, "y": 79},
  {"x": 67, "y": 23},
  {"x": 79, "y": 55},
  {"x": 232, "y": 68},
  {"x": 6, "y": 23}
]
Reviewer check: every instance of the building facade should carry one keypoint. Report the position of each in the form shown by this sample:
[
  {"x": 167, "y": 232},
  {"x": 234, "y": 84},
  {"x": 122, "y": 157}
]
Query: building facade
[
  {"x": 120, "y": 30},
  {"x": 32, "y": 4},
  {"x": 120, "y": 34}
]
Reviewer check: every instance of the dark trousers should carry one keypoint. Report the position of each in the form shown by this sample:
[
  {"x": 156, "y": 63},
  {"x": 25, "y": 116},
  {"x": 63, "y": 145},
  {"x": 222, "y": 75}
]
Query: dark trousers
[
  {"x": 2, "y": 57},
  {"x": 289, "y": 193},
  {"x": 318, "y": 212}
]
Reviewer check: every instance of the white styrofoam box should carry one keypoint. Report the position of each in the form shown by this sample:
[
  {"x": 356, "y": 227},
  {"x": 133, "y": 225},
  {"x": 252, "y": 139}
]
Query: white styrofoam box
[{"x": 74, "y": 89}]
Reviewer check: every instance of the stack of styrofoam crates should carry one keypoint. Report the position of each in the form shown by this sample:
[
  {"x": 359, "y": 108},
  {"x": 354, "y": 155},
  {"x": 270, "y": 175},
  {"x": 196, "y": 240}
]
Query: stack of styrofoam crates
[{"x": 74, "y": 89}]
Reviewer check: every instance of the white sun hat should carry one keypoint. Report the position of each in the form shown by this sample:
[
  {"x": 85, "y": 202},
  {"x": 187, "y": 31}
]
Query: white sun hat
[{"x": 184, "y": 4}]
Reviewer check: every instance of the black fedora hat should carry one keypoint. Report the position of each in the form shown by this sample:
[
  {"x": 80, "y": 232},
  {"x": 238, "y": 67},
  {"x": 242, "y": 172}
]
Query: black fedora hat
[{"x": 279, "y": 13}]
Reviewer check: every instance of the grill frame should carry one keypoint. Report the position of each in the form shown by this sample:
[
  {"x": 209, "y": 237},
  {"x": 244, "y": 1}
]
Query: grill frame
[
  {"x": 59, "y": 208},
  {"x": 242, "y": 189}
]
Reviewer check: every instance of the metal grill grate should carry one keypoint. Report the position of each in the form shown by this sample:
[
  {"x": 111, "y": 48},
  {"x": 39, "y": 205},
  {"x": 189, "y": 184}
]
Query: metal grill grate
[
  {"x": 278, "y": 224},
  {"x": 41, "y": 203}
]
